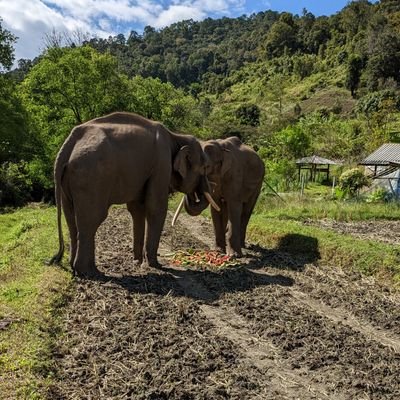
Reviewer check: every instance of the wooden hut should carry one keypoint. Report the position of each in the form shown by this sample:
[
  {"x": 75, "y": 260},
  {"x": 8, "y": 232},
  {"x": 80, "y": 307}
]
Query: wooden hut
[{"x": 315, "y": 165}]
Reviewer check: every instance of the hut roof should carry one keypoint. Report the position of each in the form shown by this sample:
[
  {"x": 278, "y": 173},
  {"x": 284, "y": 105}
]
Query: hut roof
[
  {"x": 315, "y": 160},
  {"x": 387, "y": 154}
]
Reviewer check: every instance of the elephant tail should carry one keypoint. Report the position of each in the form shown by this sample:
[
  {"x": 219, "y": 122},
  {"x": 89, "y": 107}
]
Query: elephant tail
[
  {"x": 56, "y": 259},
  {"x": 59, "y": 168}
]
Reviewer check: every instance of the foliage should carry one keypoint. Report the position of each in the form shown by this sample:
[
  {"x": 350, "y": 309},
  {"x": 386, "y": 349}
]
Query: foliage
[
  {"x": 292, "y": 142},
  {"x": 355, "y": 65},
  {"x": 15, "y": 139},
  {"x": 281, "y": 82},
  {"x": 163, "y": 102},
  {"x": 248, "y": 114},
  {"x": 7, "y": 40},
  {"x": 352, "y": 180},
  {"x": 77, "y": 82},
  {"x": 378, "y": 196},
  {"x": 15, "y": 184}
]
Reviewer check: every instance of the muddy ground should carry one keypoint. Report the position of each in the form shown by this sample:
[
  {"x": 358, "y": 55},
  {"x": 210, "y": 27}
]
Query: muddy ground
[{"x": 273, "y": 327}]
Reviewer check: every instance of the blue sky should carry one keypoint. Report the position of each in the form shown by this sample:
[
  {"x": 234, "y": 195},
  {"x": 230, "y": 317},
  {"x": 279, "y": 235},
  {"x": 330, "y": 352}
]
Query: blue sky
[{"x": 32, "y": 20}]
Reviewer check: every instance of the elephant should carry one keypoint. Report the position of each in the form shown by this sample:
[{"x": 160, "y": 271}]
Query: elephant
[
  {"x": 236, "y": 174},
  {"x": 123, "y": 158}
]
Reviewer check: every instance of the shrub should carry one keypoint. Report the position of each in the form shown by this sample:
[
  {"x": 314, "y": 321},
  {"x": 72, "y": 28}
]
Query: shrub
[
  {"x": 379, "y": 195},
  {"x": 352, "y": 180},
  {"x": 15, "y": 184}
]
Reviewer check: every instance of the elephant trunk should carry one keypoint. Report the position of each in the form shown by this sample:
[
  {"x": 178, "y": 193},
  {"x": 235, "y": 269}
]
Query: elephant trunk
[
  {"x": 194, "y": 207},
  {"x": 197, "y": 201}
]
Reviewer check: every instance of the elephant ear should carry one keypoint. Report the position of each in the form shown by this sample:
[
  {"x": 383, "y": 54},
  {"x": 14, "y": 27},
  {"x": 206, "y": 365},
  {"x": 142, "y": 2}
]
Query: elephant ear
[
  {"x": 181, "y": 161},
  {"x": 227, "y": 163}
]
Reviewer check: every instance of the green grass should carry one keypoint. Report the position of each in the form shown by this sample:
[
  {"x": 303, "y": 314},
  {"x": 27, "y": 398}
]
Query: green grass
[
  {"x": 311, "y": 243},
  {"x": 319, "y": 206},
  {"x": 30, "y": 295}
]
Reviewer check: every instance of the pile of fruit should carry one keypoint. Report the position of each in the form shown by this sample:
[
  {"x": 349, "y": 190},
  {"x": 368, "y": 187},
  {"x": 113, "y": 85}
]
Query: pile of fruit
[{"x": 201, "y": 258}]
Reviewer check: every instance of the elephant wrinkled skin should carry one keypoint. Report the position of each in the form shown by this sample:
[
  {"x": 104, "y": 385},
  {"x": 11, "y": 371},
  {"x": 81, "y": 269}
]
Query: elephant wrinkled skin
[
  {"x": 236, "y": 174},
  {"x": 122, "y": 158}
]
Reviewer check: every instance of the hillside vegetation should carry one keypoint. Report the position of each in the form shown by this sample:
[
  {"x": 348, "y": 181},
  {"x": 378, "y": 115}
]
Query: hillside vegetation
[{"x": 290, "y": 85}]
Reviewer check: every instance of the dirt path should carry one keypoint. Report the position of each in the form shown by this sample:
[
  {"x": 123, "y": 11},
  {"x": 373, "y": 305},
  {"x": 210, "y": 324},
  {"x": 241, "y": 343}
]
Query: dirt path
[{"x": 271, "y": 328}]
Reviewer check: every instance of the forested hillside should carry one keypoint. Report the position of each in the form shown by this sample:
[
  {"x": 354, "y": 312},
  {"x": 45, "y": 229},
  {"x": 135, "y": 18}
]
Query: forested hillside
[{"x": 292, "y": 85}]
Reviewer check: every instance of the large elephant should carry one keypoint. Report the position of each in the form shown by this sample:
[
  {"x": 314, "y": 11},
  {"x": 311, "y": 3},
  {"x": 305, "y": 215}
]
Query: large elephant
[
  {"x": 123, "y": 158},
  {"x": 236, "y": 174}
]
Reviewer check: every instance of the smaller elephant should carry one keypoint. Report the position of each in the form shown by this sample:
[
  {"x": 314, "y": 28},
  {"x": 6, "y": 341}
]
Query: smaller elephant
[{"x": 235, "y": 173}]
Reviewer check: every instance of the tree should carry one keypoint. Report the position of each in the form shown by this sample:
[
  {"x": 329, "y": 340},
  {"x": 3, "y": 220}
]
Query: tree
[
  {"x": 162, "y": 102},
  {"x": 248, "y": 114},
  {"x": 7, "y": 40},
  {"x": 292, "y": 142},
  {"x": 355, "y": 16},
  {"x": 67, "y": 87},
  {"x": 76, "y": 81},
  {"x": 15, "y": 141},
  {"x": 384, "y": 57},
  {"x": 13, "y": 131},
  {"x": 280, "y": 37},
  {"x": 354, "y": 69},
  {"x": 275, "y": 91}
]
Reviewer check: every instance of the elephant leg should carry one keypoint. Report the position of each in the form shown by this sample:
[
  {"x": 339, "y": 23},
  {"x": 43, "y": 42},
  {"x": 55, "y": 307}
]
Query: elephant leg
[
  {"x": 220, "y": 221},
  {"x": 156, "y": 205},
  {"x": 137, "y": 211},
  {"x": 246, "y": 214},
  {"x": 234, "y": 216},
  {"x": 243, "y": 227},
  {"x": 69, "y": 214},
  {"x": 89, "y": 216}
]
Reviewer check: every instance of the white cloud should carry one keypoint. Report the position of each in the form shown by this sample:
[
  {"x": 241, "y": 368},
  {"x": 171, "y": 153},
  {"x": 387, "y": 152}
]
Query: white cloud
[
  {"x": 31, "y": 20},
  {"x": 177, "y": 13}
]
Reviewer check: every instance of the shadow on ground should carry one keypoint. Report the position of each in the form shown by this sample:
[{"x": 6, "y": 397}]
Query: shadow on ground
[
  {"x": 199, "y": 285},
  {"x": 293, "y": 252}
]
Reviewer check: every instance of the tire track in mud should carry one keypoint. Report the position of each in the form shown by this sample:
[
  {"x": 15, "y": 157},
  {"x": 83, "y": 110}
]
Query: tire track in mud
[
  {"x": 254, "y": 350},
  {"x": 385, "y": 331},
  {"x": 256, "y": 331},
  {"x": 374, "y": 336},
  {"x": 340, "y": 315}
]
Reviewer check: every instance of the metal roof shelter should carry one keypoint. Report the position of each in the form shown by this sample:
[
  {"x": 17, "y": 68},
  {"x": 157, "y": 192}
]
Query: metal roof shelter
[
  {"x": 386, "y": 154},
  {"x": 384, "y": 163},
  {"x": 315, "y": 164},
  {"x": 387, "y": 157}
]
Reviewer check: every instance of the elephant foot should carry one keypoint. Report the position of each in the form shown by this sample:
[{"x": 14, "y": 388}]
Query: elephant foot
[
  {"x": 151, "y": 264},
  {"x": 137, "y": 262},
  {"x": 88, "y": 273},
  {"x": 234, "y": 254},
  {"x": 220, "y": 249}
]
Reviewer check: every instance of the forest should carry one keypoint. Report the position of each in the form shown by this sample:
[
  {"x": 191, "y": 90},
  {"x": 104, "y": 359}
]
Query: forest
[{"x": 289, "y": 85}]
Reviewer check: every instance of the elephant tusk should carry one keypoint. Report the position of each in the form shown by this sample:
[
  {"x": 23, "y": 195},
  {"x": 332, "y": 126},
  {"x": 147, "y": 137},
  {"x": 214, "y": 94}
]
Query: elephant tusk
[
  {"x": 211, "y": 201},
  {"x": 196, "y": 197},
  {"x": 178, "y": 211}
]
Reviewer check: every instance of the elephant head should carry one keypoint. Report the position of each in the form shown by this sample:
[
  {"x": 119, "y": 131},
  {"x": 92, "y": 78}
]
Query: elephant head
[
  {"x": 189, "y": 177},
  {"x": 217, "y": 162}
]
